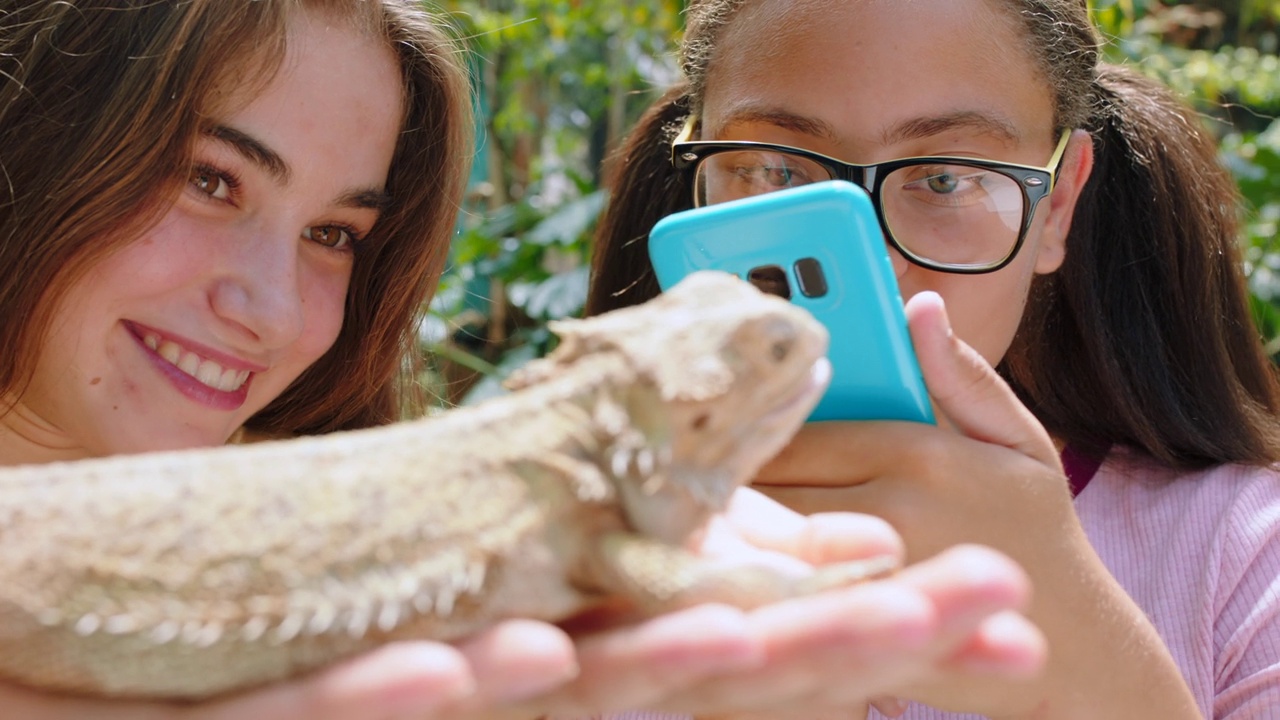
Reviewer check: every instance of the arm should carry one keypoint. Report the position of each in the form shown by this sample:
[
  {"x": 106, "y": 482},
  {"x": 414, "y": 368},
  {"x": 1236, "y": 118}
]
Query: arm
[
  {"x": 993, "y": 477},
  {"x": 1246, "y": 624},
  {"x": 834, "y": 649}
]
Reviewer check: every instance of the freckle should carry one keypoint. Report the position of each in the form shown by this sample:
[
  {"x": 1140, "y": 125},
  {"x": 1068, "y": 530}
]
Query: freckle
[
  {"x": 95, "y": 381},
  {"x": 115, "y": 407}
]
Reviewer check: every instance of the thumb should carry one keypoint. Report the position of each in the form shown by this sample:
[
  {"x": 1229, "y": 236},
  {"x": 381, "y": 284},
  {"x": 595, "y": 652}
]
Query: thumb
[{"x": 967, "y": 390}]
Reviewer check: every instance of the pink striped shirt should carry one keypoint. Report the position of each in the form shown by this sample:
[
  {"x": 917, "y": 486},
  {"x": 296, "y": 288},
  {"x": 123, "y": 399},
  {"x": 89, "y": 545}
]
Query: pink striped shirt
[{"x": 1200, "y": 553}]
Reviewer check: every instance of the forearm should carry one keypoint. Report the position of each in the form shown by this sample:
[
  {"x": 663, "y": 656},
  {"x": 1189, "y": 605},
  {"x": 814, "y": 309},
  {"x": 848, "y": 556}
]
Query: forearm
[{"x": 1106, "y": 658}]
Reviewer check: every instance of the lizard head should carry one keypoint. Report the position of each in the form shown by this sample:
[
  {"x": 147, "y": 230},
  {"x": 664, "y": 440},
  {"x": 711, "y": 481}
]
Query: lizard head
[{"x": 725, "y": 375}]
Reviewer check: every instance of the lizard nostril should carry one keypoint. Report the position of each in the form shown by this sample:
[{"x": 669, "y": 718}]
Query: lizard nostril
[
  {"x": 781, "y": 349},
  {"x": 783, "y": 335}
]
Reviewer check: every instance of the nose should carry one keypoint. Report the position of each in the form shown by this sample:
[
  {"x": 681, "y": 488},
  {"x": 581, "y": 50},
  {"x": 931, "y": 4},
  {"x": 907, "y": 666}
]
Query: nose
[{"x": 257, "y": 293}]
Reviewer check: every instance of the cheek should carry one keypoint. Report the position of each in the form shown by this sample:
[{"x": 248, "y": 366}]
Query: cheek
[
  {"x": 324, "y": 299},
  {"x": 176, "y": 253},
  {"x": 985, "y": 310}
]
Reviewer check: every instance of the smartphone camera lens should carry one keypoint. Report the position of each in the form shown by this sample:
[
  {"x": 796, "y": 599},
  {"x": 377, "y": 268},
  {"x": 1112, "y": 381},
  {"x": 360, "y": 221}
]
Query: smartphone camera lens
[
  {"x": 770, "y": 279},
  {"x": 812, "y": 280}
]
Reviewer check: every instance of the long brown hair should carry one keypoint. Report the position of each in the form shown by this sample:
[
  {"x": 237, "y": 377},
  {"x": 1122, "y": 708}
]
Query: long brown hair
[
  {"x": 1143, "y": 338},
  {"x": 100, "y": 106}
]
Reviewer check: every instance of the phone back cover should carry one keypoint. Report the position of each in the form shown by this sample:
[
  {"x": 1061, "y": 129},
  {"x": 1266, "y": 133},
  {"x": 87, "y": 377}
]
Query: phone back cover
[{"x": 874, "y": 370}]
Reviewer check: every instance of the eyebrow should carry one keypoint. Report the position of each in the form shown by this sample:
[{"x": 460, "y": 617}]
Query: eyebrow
[
  {"x": 253, "y": 150},
  {"x": 913, "y": 129},
  {"x": 256, "y": 152},
  {"x": 782, "y": 119},
  {"x": 925, "y": 127},
  {"x": 367, "y": 199}
]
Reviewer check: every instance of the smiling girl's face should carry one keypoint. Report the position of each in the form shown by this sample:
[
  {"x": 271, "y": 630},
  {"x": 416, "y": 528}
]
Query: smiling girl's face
[{"x": 177, "y": 339}]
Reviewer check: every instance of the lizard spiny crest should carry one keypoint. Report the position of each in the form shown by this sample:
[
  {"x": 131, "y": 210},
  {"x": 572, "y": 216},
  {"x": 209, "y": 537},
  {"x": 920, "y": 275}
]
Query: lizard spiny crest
[{"x": 189, "y": 573}]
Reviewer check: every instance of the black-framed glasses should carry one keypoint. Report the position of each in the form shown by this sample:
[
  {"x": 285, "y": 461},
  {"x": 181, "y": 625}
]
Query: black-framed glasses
[{"x": 951, "y": 214}]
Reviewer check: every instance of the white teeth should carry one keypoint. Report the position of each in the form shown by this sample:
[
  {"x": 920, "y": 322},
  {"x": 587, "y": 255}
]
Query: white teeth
[
  {"x": 232, "y": 380},
  {"x": 207, "y": 372},
  {"x": 170, "y": 352},
  {"x": 189, "y": 364}
]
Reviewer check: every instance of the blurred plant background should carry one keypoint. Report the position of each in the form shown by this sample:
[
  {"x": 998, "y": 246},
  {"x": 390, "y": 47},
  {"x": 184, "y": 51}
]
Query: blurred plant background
[{"x": 561, "y": 81}]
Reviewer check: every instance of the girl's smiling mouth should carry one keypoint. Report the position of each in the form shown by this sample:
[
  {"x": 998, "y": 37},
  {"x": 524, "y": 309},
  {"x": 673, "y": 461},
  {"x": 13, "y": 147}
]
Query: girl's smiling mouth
[
  {"x": 206, "y": 371},
  {"x": 199, "y": 373}
]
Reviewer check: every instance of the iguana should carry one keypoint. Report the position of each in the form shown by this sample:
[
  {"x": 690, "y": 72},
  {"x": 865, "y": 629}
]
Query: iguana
[{"x": 192, "y": 573}]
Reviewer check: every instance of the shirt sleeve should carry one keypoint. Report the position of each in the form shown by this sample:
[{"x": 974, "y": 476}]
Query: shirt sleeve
[{"x": 1247, "y": 618}]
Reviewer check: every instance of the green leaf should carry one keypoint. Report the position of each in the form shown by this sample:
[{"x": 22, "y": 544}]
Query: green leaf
[
  {"x": 561, "y": 295},
  {"x": 568, "y": 223}
]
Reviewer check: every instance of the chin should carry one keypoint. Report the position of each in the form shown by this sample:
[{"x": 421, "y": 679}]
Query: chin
[{"x": 161, "y": 440}]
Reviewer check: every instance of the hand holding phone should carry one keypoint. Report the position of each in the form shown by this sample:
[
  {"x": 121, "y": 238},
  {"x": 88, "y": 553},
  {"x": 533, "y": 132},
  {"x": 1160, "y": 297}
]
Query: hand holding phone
[{"x": 820, "y": 247}]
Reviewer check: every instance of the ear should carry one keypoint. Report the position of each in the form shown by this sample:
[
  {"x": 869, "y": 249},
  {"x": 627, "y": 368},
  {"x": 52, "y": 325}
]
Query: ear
[{"x": 1073, "y": 173}]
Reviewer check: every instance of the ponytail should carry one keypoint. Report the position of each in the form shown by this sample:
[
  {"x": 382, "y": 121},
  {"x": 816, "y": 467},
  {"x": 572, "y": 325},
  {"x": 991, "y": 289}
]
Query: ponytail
[
  {"x": 1144, "y": 337},
  {"x": 644, "y": 188}
]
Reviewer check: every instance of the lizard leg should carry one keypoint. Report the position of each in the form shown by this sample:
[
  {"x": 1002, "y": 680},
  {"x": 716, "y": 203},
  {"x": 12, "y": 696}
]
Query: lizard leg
[{"x": 659, "y": 577}]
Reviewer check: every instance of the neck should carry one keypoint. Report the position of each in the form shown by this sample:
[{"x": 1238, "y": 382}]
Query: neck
[{"x": 28, "y": 439}]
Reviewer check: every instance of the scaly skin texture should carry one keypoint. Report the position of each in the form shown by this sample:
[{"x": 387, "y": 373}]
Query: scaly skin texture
[{"x": 193, "y": 573}]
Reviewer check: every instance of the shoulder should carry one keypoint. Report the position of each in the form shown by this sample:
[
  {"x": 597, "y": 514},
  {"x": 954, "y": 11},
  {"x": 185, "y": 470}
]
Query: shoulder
[
  {"x": 1199, "y": 551},
  {"x": 1217, "y": 525},
  {"x": 1220, "y": 493}
]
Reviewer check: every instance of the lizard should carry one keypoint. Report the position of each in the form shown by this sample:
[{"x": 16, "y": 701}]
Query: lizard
[{"x": 188, "y": 574}]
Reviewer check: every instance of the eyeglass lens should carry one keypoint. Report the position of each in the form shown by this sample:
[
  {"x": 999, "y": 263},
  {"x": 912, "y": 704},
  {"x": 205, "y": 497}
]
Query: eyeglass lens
[{"x": 951, "y": 214}]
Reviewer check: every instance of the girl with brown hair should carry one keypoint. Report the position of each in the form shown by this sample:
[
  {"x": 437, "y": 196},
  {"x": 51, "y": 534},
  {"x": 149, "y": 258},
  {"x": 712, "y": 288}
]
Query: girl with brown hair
[
  {"x": 1109, "y": 414},
  {"x": 220, "y": 215}
]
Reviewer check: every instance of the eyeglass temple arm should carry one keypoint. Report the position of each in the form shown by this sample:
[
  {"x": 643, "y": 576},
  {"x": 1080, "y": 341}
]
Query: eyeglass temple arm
[
  {"x": 686, "y": 133},
  {"x": 1057, "y": 157}
]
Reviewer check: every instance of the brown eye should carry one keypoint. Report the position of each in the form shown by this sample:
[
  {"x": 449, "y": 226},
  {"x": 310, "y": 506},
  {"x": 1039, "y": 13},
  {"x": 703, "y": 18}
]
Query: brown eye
[
  {"x": 329, "y": 236},
  {"x": 210, "y": 183}
]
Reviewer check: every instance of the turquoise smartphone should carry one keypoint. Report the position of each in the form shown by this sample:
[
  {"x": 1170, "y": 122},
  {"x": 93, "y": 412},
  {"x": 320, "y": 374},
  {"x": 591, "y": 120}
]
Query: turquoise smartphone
[{"x": 820, "y": 247}]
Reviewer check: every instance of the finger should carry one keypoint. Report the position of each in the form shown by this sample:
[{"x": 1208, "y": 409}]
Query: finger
[
  {"x": 968, "y": 585},
  {"x": 1006, "y": 645},
  {"x": 845, "y": 646},
  {"x": 639, "y": 665},
  {"x": 964, "y": 574},
  {"x": 891, "y": 707},
  {"x": 1003, "y": 659},
  {"x": 827, "y": 650},
  {"x": 407, "y": 679},
  {"x": 518, "y": 660},
  {"x": 985, "y": 643},
  {"x": 967, "y": 389},
  {"x": 816, "y": 539}
]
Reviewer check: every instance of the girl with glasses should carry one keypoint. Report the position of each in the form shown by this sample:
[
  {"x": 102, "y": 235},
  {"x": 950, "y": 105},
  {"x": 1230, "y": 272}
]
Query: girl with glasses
[
  {"x": 226, "y": 215},
  {"x": 1108, "y": 415}
]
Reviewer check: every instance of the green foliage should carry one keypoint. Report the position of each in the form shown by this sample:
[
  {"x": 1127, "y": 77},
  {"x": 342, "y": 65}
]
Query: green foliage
[
  {"x": 560, "y": 81},
  {"x": 1237, "y": 87}
]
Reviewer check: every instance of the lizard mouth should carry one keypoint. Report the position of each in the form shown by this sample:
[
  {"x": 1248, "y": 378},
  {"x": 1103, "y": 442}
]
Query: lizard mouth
[{"x": 805, "y": 392}]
